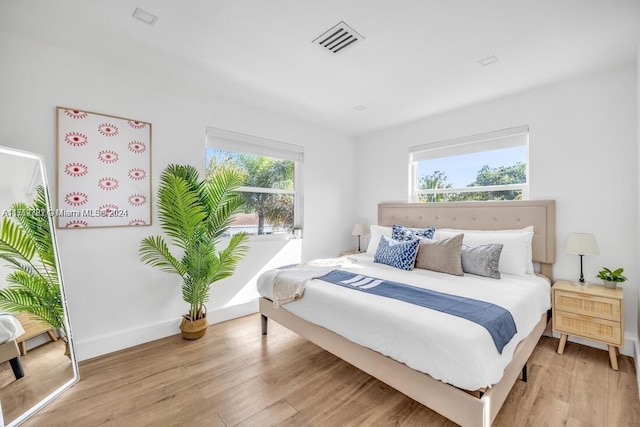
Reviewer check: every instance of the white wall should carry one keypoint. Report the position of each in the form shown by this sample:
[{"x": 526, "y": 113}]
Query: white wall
[
  {"x": 638, "y": 129},
  {"x": 114, "y": 300},
  {"x": 583, "y": 153}
]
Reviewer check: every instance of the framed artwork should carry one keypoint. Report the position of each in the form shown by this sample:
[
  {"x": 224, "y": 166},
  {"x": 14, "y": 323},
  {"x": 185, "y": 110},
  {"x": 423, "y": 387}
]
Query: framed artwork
[{"x": 104, "y": 170}]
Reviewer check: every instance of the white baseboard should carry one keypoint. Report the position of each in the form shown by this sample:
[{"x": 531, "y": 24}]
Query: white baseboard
[{"x": 105, "y": 344}]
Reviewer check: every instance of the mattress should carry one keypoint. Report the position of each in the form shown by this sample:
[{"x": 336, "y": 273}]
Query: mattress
[
  {"x": 10, "y": 328},
  {"x": 448, "y": 348}
]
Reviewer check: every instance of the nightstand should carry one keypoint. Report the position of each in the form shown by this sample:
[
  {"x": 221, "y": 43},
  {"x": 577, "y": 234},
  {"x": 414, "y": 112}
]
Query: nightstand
[
  {"x": 32, "y": 327},
  {"x": 591, "y": 311},
  {"x": 351, "y": 253}
]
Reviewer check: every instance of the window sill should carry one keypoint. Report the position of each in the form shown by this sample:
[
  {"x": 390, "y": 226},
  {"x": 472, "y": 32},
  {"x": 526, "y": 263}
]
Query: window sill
[{"x": 270, "y": 237}]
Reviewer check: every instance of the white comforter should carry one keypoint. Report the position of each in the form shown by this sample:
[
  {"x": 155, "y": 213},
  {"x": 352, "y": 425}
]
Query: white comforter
[
  {"x": 10, "y": 328},
  {"x": 448, "y": 348}
]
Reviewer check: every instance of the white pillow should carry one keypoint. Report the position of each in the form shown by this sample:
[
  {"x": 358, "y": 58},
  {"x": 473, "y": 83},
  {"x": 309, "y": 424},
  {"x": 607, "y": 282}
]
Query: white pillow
[
  {"x": 516, "y": 256},
  {"x": 377, "y": 232}
]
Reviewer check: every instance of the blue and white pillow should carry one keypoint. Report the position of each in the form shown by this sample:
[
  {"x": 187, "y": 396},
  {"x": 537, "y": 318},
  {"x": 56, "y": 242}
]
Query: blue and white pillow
[
  {"x": 397, "y": 254},
  {"x": 402, "y": 233}
]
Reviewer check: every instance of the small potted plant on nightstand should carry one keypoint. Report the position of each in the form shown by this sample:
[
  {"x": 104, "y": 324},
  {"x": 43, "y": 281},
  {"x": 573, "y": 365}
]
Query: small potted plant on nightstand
[{"x": 611, "y": 278}]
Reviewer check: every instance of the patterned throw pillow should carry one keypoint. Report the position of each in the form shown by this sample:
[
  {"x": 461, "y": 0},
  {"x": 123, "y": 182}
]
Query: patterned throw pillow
[
  {"x": 403, "y": 233},
  {"x": 482, "y": 260},
  {"x": 397, "y": 254}
]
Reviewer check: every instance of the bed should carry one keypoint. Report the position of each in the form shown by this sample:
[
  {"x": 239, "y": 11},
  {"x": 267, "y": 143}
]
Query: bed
[
  {"x": 471, "y": 396},
  {"x": 10, "y": 329}
]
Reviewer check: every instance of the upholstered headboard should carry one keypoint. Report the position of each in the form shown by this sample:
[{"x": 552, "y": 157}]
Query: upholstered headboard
[{"x": 513, "y": 214}]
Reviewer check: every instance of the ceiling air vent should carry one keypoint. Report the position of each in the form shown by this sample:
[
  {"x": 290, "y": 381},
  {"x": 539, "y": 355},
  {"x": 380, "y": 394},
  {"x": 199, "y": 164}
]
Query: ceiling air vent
[{"x": 338, "y": 37}]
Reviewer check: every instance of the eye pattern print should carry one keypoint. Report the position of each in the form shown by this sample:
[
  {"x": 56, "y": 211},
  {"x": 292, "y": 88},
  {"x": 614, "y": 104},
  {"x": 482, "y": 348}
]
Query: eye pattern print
[
  {"x": 137, "y": 174},
  {"x": 104, "y": 168},
  {"x": 76, "y": 169},
  {"x": 76, "y": 114},
  {"x": 76, "y": 198},
  {"x": 136, "y": 125},
  {"x": 108, "y": 156},
  {"x": 108, "y": 184},
  {"x": 108, "y": 129},
  {"x": 137, "y": 147},
  {"x": 137, "y": 200},
  {"x": 108, "y": 209},
  {"x": 76, "y": 223},
  {"x": 76, "y": 139}
]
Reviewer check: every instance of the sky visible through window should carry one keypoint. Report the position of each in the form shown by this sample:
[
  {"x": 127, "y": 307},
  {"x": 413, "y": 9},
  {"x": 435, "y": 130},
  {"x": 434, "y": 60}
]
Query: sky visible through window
[{"x": 462, "y": 170}]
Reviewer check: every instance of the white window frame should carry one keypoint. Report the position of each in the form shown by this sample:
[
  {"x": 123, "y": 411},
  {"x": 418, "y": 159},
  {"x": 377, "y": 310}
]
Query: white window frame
[
  {"x": 242, "y": 143},
  {"x": 505, "y": 138}
]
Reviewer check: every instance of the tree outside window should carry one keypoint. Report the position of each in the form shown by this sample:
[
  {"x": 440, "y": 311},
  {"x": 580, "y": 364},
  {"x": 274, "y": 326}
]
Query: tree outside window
[
  {"x": 268, "y": 189},
  {"x": 486, "y": 177}
]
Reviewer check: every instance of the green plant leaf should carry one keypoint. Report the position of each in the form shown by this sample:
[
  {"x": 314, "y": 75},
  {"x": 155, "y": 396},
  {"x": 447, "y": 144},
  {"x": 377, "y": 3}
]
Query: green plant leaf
[
  {"x": 195, "y": 214},
  {"x": 155, "y": 252},
  {"x": 26, "y": 244}
]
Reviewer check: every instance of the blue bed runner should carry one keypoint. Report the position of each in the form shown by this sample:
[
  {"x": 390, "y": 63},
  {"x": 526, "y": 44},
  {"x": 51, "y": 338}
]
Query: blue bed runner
[{"x": 497, "y": 320}]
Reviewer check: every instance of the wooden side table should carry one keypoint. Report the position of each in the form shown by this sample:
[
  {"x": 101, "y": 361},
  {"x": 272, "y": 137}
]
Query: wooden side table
[
  {"x": 591, "y": 311},
  {"x": 32, "y": 328}
]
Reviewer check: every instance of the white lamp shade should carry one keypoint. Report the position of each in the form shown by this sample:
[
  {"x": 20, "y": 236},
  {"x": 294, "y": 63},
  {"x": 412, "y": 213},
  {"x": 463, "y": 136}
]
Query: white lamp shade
[
  {"x": 582, "y": 244},
  {"x": 360, "y": 230}
]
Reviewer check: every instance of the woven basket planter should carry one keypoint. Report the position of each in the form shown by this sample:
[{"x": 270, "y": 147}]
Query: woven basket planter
[{"x": 193, "y": 329}]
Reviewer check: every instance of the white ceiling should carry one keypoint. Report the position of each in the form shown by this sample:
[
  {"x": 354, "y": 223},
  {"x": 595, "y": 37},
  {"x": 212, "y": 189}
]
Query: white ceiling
[{"x": 419, "y": 57}]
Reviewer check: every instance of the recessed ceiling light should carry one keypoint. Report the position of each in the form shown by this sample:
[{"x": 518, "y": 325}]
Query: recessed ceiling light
[
  {"x": 488, "y": 60},
  {"x": 360, "y": 107},
  {"x": 144, "y": 16}
]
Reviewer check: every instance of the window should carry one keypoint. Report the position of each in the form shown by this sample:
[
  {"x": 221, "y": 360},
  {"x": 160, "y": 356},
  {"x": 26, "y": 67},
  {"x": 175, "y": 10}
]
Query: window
[
  {"x": 271, "y": 172},
  {"x": 491, "y": 166}
]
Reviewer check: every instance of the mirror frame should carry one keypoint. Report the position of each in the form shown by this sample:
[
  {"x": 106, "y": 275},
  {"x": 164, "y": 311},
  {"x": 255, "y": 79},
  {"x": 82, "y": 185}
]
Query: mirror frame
[{"x": 74, "y": 363}]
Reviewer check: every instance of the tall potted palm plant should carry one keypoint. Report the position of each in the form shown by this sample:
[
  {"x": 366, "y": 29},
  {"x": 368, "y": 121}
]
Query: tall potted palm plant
[
  {"x": 194, "y": 214},
  {"x": 27, "y": 246}
]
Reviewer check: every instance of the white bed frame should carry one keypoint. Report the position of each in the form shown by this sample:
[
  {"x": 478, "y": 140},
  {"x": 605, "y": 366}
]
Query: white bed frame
[{"x": 455, "y": 404}]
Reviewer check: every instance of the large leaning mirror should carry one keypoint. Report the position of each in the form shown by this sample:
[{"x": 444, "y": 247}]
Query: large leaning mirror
[{"x": 37, "y": 357}]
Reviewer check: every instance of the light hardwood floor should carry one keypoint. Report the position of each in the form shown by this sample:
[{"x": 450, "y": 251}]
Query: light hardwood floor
[
  {"x": 46, "y": 368},
  {"x": 234, "y": 376}
]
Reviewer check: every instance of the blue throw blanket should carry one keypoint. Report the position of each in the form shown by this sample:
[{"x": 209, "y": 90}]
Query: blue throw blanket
[{"x": 497, "y": 320}]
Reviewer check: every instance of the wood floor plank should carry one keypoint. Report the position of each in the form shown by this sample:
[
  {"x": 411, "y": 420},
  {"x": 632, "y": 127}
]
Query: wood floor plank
[
  {"x": 623, "y": 410},
  {"x": 548, "y": 411},
  {"x": 523, "y": 395},
  {"x": 341, "y": 381},
  {"x": 245, "y": 400},
  {"x": 588, "y": 388},
  {"x": 46, "y": 369},
  {"x": 235, "y": 376},
  {"x": 317, "y": 415},
  {"x": 270, "y": 416}
]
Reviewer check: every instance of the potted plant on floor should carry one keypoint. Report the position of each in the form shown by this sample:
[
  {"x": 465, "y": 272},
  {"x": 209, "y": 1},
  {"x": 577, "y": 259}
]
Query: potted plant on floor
[
  {"x": 195, "y": 214},
  {"x": 26, "y": 245},
  {"x": 611, "y": 278}
]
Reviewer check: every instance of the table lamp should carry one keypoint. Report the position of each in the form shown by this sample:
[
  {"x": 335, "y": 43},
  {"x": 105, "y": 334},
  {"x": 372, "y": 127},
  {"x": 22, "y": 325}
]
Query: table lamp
[
  {"x": 581, "y": 244},
  {"x": 359, "y": 230}
]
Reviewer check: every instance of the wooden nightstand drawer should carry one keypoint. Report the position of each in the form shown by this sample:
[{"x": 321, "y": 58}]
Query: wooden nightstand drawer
[
  {"x": 589, "y": 311},
  {"x": 589, "y": 305},
  {"x": 595, "y": 328}
]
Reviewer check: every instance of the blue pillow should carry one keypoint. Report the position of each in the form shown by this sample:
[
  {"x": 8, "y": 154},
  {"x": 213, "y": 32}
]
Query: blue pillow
[
  {"x": 400, "y": 232},
  {"x": 397, "y": 254}
]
